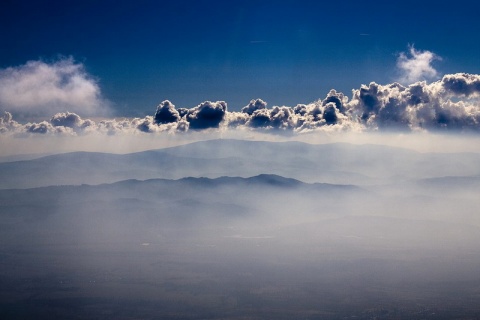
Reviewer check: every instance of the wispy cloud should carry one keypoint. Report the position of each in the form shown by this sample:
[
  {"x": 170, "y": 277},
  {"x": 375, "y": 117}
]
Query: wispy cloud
[{"x": 38, "y": 89}]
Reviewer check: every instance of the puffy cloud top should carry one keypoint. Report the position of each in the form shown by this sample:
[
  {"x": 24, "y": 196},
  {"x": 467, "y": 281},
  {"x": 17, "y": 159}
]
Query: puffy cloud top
[
  {"x": 337, "y": 98},
  {"x": 207, "y": 115},
  {"x": 70, "y": 120},
  {"x": 166, "y": 113},
  {"x": 255, "y": 104},
  {"x": 463, "y": 84},
  {"x": 420, "y": 105}
]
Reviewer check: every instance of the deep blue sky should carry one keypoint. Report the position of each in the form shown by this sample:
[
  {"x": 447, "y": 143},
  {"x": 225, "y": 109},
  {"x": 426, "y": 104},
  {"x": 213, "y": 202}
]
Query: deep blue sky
[{"x": 285, "y": 52}]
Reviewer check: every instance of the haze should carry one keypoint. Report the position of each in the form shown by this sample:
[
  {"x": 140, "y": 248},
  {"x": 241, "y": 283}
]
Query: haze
[{"x": 393, "y": 233}]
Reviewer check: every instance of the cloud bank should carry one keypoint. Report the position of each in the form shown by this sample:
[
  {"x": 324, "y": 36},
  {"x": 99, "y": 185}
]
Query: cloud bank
[
  {"x": 449, "y": 104},
  {"x": 39, "y": 89}
]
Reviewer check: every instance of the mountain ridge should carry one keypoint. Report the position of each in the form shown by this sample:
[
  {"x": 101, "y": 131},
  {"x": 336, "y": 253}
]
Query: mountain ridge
[{"x": 335, "y": 163}]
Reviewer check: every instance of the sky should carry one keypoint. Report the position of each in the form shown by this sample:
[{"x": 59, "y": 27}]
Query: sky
[
  {"x": 298, "y": 66},
  {"x": 284, "y": 52}
]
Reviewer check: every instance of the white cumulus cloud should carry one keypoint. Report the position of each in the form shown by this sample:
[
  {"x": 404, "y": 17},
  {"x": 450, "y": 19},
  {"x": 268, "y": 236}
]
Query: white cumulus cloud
[
  {"x": 416, "y": 65},
  {"x": 38, "y": 89}
]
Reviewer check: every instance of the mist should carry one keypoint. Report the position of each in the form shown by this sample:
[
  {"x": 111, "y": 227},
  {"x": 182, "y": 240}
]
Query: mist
[{"x": 243, "y": 228}]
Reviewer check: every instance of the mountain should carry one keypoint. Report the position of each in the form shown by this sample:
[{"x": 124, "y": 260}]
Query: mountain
[
  {"x": 230, "y": 189},
  {"x": 337, "y": 163}
]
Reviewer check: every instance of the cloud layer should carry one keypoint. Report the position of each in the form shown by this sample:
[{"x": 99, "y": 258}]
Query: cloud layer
[
  {"x": 449, "y": 104},
  {"x": 39, "y": 89}
]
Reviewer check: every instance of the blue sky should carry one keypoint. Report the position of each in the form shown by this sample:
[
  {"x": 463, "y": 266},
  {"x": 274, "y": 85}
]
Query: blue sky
[{"x": 284, "y": 52}]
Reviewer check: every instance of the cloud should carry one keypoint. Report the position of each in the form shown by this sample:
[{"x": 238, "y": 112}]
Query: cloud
[
  {"x": 7, "y": 124},
  {"x": 206, "y": 115},
  {"x": 449, "y": 104},
  {"x": 39, "y": 89},
  {"x": 253, "y": 105},
  {"x": 166, "y": 113},
  {"x": 420, "y": 106},
  {"x": 260, "y": 118},
  {"x": 463, "y": 84},
  {"x": 416, "y": 65},
  {"x": 71, "y": 120}
]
